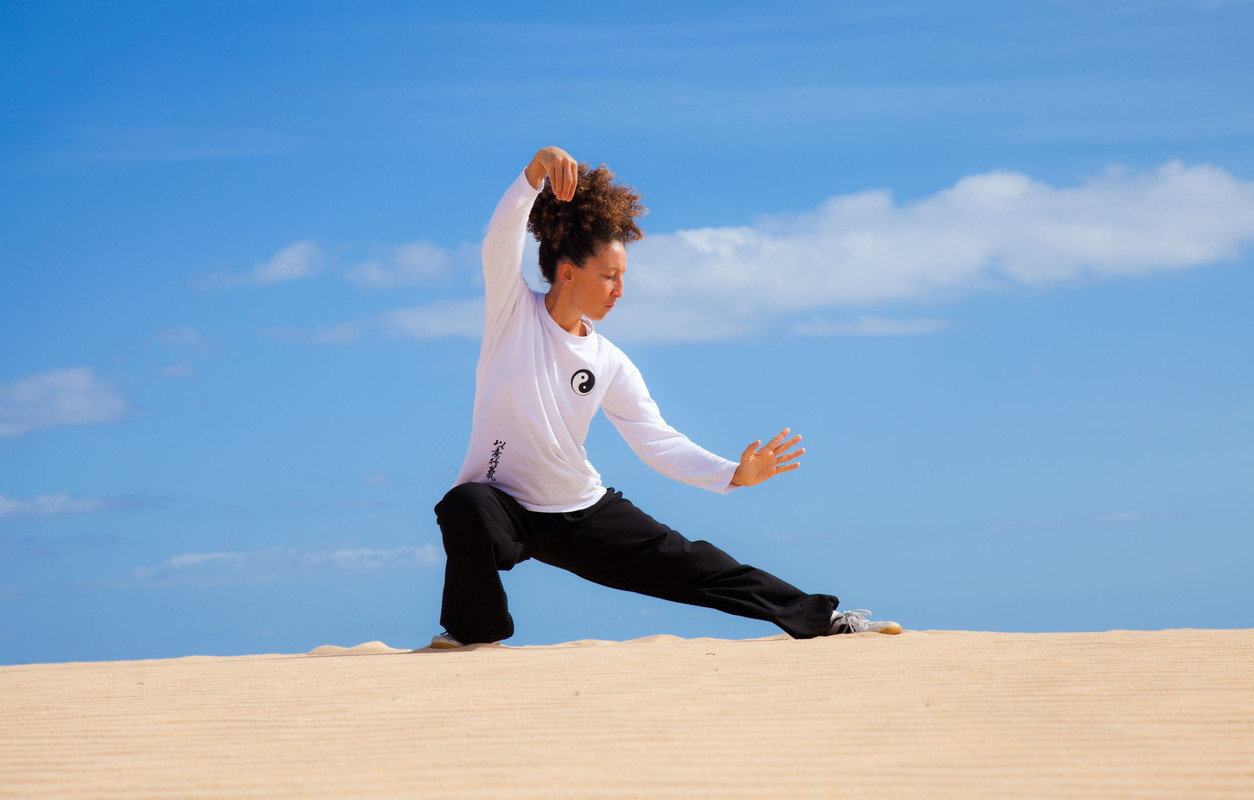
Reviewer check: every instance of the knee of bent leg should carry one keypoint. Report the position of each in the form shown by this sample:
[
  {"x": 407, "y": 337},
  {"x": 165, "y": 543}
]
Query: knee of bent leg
[{"x": 462, "y": 506}]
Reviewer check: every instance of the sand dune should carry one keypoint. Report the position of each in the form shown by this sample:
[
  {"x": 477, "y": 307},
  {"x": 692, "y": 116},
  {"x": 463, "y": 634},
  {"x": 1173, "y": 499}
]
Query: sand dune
[
  {"x": 367, "y": 649},
  {"x": 1160, "y": 714}
]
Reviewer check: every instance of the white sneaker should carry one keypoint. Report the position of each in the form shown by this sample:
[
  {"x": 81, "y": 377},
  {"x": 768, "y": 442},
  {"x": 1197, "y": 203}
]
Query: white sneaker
[
  {"x": 443, "y": 641},
  {"x": 856, "y": 622}
]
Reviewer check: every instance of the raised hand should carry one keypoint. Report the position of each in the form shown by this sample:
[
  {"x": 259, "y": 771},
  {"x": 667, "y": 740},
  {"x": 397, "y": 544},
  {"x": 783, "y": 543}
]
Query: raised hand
[
  {"x": 758, "y": 464},
  {"x": 563, "y": 171}
]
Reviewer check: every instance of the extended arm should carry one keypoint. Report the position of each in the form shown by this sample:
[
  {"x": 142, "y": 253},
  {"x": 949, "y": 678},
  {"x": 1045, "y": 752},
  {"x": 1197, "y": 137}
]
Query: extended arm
[
  {"x": 633, "y": 412},
  {"x": 629, "y": 407}
]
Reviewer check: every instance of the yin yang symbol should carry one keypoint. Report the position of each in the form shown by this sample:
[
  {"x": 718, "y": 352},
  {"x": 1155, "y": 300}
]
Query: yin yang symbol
[{"x": 582, "y": 382}]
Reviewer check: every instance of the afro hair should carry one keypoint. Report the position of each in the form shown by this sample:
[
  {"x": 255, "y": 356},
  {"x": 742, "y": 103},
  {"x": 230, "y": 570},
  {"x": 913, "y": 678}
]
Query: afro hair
[{"x": 601, "y": 211}]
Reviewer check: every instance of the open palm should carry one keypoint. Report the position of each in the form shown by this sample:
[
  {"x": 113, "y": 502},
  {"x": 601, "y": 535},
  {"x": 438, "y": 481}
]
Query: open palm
[{"x": 758, "y": 464}]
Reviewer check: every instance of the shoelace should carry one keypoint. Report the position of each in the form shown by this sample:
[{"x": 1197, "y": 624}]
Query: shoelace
[{"x": 855, "y": 619}]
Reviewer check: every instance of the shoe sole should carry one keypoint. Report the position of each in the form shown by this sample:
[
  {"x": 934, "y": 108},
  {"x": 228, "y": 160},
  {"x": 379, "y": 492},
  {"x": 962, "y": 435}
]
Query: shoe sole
[
  {"x": 445, "y": 644},
  {"x": 887, "y": 627}
]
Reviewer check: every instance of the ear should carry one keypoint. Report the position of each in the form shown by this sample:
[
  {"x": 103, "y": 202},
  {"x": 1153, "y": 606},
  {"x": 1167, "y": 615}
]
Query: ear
[{"x": 566, "y": 273}]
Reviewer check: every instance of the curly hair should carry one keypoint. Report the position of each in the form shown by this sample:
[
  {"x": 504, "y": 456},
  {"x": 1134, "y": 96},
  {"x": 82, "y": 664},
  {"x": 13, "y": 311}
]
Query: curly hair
[{"x": 600, "y": 212}]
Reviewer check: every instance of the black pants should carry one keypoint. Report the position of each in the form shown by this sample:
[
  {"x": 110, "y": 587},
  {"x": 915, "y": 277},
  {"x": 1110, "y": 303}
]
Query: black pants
[{"x": 612, "y": 543}]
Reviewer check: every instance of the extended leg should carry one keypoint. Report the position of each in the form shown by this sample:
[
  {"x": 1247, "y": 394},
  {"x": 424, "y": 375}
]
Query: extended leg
[{"x": 618, "y": 545}]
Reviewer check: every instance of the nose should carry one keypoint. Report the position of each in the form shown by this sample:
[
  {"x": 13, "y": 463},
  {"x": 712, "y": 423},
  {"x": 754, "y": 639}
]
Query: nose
[{"x": 618, "y": 287}]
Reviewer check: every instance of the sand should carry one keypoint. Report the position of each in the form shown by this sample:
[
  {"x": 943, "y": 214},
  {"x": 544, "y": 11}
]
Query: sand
[{"x": 1153, "y": 714}]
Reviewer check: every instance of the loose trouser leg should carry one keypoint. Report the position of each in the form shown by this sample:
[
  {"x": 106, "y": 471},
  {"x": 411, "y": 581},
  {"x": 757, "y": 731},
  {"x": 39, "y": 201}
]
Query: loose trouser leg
[
  {"x": 618, "y": 545},
  {"x": 484, "y": 531}
]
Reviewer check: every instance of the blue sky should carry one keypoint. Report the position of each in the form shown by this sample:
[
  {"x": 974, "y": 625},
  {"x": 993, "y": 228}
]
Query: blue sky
[{"x": 992, "y": 260}]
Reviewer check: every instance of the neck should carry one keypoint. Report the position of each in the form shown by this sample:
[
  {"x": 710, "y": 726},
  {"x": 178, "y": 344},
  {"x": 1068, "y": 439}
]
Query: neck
[{"x": 567, "y": 318}]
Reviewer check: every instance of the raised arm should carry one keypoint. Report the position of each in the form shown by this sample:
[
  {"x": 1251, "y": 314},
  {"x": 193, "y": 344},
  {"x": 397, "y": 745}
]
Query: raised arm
[{"x": 504, "y": 285}]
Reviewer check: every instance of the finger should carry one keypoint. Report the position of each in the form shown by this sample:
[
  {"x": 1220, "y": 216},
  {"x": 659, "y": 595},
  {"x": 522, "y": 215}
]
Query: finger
[
  {"x": 787, "y": 468},
  {"x": 779, "y": 437},
  {"x": 557, "y": 179},
  {"x": 790, "y": 456},
  {"x": 557, "y": 176},
  {"x": 788, "y": 444},
  {"x": 570, "y": 178},
  {"x": 750, "y": 450}
]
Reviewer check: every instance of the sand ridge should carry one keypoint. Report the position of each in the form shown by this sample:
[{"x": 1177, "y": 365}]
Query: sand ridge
[
  {"x": 1145, "y": 714},
  {"x": 366, "y": 649}
]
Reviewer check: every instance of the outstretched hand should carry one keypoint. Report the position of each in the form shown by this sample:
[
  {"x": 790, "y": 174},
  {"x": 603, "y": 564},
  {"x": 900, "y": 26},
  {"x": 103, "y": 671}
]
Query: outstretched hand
[
  {"x": 563, "y": 171},
  {"x": 758, "y": 464}
]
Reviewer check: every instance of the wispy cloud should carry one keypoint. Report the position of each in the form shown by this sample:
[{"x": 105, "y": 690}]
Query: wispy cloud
[
  {"x": 185, "y": 340},
  {"x": 277, "y": 563},
  {"x": 294, "y": 262},
  {"x": 184, "y": 337},
  {"x": 58, "y": 397},
  {"x": 52, "y": 505},
  {"x": 989, "y": 231},
  {"x": 462, "y": 317},
  {"x": 414, "y": 264},
  {"x": 343, "y": 333},
  {"x": 1128, "y": 518},
  {"x": 869, "y": 326},
  {"x": 179, "y": 370},
  {"x": 819, "y": 273}
]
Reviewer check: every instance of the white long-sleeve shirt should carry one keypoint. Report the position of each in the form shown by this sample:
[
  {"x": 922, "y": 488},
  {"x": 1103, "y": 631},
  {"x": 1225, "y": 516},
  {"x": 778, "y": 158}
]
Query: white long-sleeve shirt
[{"x": 538, "y": 387}]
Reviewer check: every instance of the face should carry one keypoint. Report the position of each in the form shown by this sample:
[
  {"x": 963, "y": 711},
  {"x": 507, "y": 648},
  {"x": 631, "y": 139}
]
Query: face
[{"x": 598, "y": 284}]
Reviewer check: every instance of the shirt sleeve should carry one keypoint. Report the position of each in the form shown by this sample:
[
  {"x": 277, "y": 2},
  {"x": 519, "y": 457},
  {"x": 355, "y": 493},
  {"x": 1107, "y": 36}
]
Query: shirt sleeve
[
  {"x": 633, "y": 412},
  {"x": 504, "y": 285}
]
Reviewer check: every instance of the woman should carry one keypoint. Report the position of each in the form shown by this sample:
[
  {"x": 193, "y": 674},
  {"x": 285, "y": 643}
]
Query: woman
[{"x": 526, "y": 488}]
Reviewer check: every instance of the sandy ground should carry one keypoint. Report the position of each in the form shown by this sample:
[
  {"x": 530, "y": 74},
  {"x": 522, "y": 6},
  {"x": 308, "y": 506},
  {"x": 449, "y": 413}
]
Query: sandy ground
[{"x": 1157, "y": 714}]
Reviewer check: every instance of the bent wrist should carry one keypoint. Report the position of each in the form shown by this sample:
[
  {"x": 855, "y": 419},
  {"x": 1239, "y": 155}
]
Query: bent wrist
[{"x": 536, "y": 170}]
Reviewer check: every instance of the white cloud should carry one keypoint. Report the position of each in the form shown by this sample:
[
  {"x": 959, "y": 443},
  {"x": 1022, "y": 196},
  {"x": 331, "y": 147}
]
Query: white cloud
[
  {"x": 294, "y": 262},
  {"x": 805, "y": 272},
  {"x": 57, "y": 397},
  {"x": 436, "y": 320},
  {"x": 443, "y": 318},
  {"x": 342, "y": 333},
  {"x": 52, "y": 505},
  {"x": 986, "y": 231},
  {"x": 414, "y": 264},
  {"x": 291, "y": 263},
  {"x": 278, "y": 563}
]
